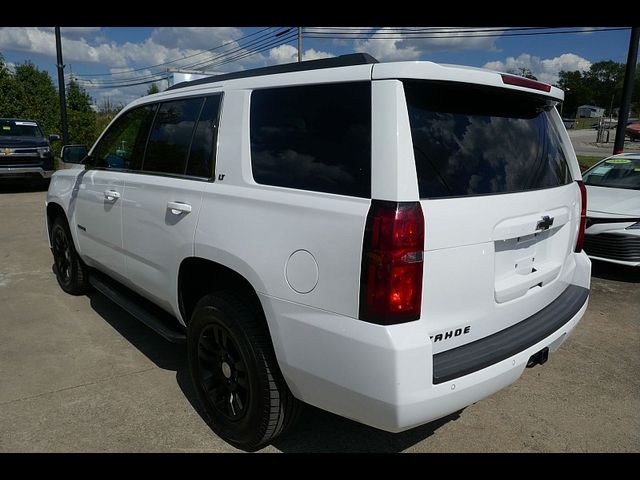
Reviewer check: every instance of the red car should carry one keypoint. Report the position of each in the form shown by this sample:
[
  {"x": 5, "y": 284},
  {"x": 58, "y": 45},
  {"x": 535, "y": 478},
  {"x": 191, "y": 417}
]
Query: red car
[{"x": 633, "y": 131}]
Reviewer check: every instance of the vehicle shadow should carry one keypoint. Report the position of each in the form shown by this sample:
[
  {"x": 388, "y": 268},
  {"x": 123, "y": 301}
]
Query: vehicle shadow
[
  {"x": 615, "y": 272},
  {"x": 164, "y": 354},
  {"x": 22, "y": 185},
  {"x": 316, "y": 430}
]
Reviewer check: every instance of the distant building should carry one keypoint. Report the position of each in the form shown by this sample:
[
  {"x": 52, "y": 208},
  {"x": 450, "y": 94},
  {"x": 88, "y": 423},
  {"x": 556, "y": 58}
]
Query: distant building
[{"x": 590, "y": 111}]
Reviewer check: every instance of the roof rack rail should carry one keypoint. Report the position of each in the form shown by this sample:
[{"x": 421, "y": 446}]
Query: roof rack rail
[{"x": 341, "y": 61}]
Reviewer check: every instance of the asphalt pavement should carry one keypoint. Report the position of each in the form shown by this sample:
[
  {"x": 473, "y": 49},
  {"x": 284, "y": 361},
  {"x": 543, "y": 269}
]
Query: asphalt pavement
[
  {"x": 78, "y": 374},
  {"x": 584, "y": 143}
]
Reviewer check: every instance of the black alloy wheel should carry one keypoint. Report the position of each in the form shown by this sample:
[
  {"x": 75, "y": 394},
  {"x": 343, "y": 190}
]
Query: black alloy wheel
[
  {"x": 244, "y": 397},
  {"x": 71, "y": 272},
  {"x": 62, "y": 254},
  {"x": 223, "y": 372}
]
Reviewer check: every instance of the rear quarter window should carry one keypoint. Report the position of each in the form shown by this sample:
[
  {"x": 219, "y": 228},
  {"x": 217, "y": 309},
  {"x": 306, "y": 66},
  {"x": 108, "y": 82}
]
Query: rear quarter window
[
  {"x": 313, "y": 137},
  {"x": 477, "y": 140}
]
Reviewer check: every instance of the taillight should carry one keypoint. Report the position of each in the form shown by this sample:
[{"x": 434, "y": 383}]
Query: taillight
[
  {"x": 525, "y": 82},
  {"x": 392, "y": 259},
  {"x": 583, "y": 216}
]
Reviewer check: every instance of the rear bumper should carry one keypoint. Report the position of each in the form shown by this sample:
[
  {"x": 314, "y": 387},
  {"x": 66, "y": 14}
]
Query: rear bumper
[
  {"x": 384, "y": 376},
  {"x": 24, "y": 172}
]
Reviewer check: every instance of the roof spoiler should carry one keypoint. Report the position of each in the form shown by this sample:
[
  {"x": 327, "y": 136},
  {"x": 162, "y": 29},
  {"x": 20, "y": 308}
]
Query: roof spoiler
[{"x": 333, "y": 62}]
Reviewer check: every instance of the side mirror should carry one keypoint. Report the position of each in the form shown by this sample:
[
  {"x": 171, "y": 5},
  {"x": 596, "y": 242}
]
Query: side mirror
[
  {"x": 73, "y": 153},
  {"x": 54, "y": 138}
]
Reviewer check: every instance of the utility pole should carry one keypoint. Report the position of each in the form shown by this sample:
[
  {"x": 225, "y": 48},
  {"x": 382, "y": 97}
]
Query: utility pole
[
  {"x": 627, "y": 89},
  {"x": 299, "y": 44},
  {"x": 63, "y": 102}
]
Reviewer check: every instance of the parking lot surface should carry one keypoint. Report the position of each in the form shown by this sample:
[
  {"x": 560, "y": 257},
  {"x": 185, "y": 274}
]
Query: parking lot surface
[
  {"x": 80, "y": 374},
  {"x": 584, "y": 143}
]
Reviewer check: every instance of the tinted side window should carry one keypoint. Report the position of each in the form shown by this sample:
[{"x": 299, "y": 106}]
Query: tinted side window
[
  {"x": 122, "y": 146},
  {"x": 202, "y": 155},
  {"x": 171, "y": 135},
  {"x": 315, "y": 137}
]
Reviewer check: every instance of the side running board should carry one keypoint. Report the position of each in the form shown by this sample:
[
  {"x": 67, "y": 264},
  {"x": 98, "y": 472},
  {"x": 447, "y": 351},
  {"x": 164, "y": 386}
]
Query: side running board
[{"x": 152, "y": 316}]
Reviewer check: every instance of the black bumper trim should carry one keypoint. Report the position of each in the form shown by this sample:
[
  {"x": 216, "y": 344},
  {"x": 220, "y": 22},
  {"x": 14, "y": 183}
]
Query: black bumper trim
[{"x": 487, "y": 351}]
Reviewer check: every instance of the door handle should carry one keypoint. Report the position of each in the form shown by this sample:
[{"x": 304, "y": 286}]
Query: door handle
[
  {"x": 111, "y": 195},
  {"x": 179, "y": 207}
]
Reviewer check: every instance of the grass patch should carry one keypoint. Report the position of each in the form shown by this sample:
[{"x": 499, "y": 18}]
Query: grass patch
[
  {"x": 586, "y": 161},
  {"x": 582, "y": 123}
]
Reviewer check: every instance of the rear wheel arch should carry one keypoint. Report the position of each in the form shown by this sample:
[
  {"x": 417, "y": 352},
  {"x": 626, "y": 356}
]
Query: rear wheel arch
[{"x": 199, "y": 276}]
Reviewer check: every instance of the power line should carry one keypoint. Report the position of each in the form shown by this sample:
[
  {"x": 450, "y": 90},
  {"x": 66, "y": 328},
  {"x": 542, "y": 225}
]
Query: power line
[
  {"x": 213, "y": 61},
  {"x": 372, "y": 31},
  {"x": 262, "y": 48},
  {"x": 266, "y": 41},
  {"x": 151, "y": 75},
  {"x": 254, "y": 43},
  {"x": 237, "y": 57},
  {"x": 174, "y": 60},
  {"x": 450, "y": 34}
]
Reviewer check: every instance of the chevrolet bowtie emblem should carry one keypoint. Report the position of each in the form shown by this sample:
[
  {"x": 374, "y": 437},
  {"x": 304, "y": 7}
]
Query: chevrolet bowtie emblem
[{"x": 6, "y": 151}]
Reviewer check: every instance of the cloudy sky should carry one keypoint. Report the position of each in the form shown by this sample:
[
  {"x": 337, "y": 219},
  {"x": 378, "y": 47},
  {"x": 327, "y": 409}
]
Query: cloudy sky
[{"x": 119, "y": 62}]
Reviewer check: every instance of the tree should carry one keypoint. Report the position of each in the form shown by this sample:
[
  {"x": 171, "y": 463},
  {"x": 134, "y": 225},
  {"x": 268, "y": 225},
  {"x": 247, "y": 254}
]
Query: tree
[
  {"x": 80, "y": 116},
  {"x": 37, "y": 97},
  {"x": 107, "y": 110},
  {"x": 10, "y": 93},
  {"x": 605, "y": 80},
  {"x": 576, "y": 91},
  {"x": 153, "y": 88},
  {"x": 601, "y": 86},
  {"x": 523, "y": 72},
  {"x": 29, "y": 93}
]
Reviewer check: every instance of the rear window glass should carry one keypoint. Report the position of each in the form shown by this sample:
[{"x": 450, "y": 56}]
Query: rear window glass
[
  {"x": 313, "y": 137},
  {"x": 476, "y": 140},
  {"x": 615, "y": 173}
]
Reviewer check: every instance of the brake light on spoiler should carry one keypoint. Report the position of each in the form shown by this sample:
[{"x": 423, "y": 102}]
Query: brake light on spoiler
[{"x": 525, "y": 82}]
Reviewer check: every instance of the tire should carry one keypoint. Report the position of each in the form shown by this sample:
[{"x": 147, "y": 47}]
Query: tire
[
  {"x": 71, "y": 272},
  {"x": 235, "y": 373}
]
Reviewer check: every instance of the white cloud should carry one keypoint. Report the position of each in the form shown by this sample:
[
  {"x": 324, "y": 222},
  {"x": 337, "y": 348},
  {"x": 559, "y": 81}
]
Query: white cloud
[
  {"x": 92, "y": 47},
  {"x": 194, "y": 38},
  {"x": 412, "y": 48},
  {"x": 164, "y": 44},
  {"x": 546, "y": 70},
  {"x": 78, "y": 32},
  {"x": 289, "y": 53}
]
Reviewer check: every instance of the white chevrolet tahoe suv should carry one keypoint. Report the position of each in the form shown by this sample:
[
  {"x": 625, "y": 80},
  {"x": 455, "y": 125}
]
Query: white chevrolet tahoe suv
[{"x": 390, "y": 242}]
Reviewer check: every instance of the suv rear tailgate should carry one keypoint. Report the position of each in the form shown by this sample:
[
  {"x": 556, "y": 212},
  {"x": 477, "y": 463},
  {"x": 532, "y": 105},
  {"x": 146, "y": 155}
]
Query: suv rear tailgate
[
  {"x": 487, "y": 266},
  {"x": 500, "y": 205}
]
